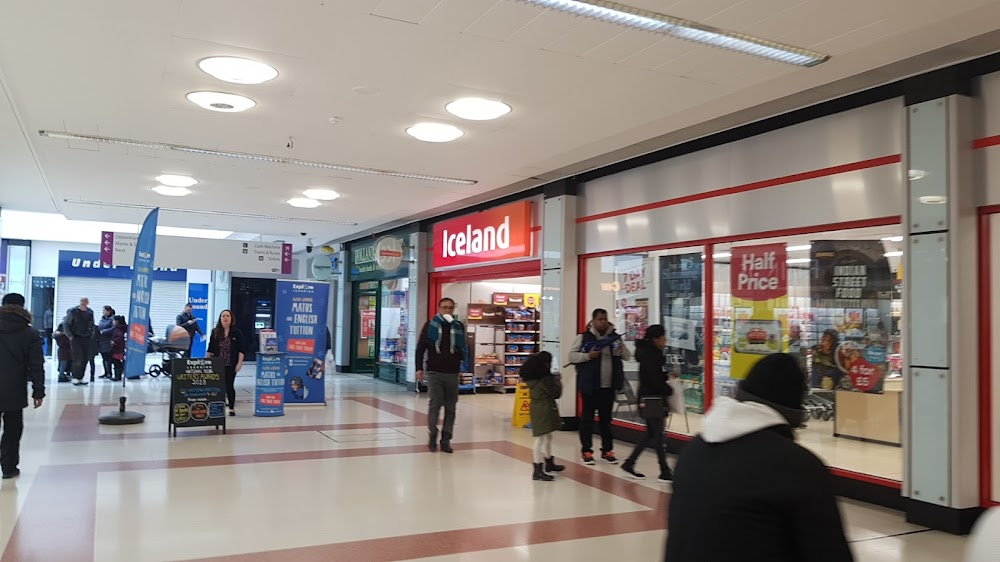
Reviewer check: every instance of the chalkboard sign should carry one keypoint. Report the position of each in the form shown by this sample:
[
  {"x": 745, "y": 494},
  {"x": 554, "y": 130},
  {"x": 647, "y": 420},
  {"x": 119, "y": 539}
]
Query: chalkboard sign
[{"x": 197, "y": 394}]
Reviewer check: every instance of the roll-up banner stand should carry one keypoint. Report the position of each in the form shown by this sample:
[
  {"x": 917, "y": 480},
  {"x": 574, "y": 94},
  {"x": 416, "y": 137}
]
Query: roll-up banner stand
[
  {"x": 300, "y": 321},
  {"x": 198, "y": 297}
]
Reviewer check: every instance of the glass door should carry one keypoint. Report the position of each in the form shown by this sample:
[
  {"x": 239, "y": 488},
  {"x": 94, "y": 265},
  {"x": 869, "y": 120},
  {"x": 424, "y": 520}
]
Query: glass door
[
  {"x": 393, "y": 313},
  {"x": 365, "y": 327}
]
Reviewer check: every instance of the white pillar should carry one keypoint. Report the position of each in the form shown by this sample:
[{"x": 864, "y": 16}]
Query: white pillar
[{"x": 559, "y": 290}]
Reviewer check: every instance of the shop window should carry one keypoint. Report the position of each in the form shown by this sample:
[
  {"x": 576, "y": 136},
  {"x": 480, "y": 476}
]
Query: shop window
[
  {"x": 833, "y": 300},
  {"x": 664, "y": 287}
]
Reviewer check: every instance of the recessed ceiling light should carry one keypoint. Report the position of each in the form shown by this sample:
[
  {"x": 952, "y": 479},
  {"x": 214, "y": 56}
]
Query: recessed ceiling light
[
  {"x": 366, "y": 91},
  {"x": 801, "y": 248},
  {"x": 798, "y": 260},
  {"x": 176, "y": 181},
  {"x": 321, "y": 194},
  {"x": 238, "y": 70},
  {"x": 303, "y": 202},
  {"x": 477, "y": 109},
  {"x": 915, "y": 175},
  {"x": 894, "y": 254},
  {"x": 219, "y": 101},
  {"x": 434, "y": 132},
  {"x": 172, "y": 191}
]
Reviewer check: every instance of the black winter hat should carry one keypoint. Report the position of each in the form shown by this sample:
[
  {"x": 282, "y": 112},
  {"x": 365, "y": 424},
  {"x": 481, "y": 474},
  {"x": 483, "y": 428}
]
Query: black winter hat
[
  {"x": 14, "y": 299},
  {"x": 776, "y": 381}
]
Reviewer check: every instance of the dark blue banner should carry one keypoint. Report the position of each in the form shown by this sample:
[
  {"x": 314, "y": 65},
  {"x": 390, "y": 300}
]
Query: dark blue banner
[
  {"x": 269, "y": 394},
  {"x": 198, "y": 297},
  {"x": 88, "y": 264},
  {"x": 300, "y": 321},
  {"x": 140, "y": 295}
]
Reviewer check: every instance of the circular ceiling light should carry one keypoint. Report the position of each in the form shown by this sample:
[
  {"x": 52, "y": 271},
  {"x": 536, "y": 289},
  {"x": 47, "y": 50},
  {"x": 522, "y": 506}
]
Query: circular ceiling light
[
  {"x": 172, "y": 191},
  {"x": 321, "y": 194},
  {"x": 176, "y": 181},
  {"x": 303, "y": 203},
  {"x": 238, "y": 70},
  {"x": 218, "y": 101},
  {"x": 933, "y": 199},
  {"x": 477, "y": 109},
  {"x": 434, "y": 132}
]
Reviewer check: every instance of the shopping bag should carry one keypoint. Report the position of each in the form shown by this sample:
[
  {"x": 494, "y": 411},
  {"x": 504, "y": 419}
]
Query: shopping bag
[
  {"x": 330, "y": 366},
  {"x": 675, "y": 402}
]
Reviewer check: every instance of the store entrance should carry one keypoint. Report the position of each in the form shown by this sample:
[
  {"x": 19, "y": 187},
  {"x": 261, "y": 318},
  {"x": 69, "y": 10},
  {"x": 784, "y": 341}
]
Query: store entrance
[
  {"x": 252, "y": 305},
  {"x": 503, "y": 317},
  {"x": 365, "y": 327},
  {"x": 380, "y": 320}
]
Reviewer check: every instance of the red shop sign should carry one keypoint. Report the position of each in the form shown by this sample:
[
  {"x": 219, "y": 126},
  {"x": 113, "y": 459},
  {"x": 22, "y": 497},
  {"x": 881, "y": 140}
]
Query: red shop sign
[
  {"x": 759, "y": 273},
  {"x": 497, "y": 234}
]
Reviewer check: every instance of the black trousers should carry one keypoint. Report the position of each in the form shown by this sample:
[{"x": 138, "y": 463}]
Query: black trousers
[
  {"x": 231, "y": 385},
  {"x": 601, "y": 403},
  {"x": 80, "y": 348},
  {"x": 652, "y": 440},
  {"x": 107, "y": 363},
  {"x": 12, "y": 423}
]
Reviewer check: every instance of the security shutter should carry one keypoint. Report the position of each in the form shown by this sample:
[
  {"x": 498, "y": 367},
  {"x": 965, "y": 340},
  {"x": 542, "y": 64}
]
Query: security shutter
[{"x": 169, "y": 298}]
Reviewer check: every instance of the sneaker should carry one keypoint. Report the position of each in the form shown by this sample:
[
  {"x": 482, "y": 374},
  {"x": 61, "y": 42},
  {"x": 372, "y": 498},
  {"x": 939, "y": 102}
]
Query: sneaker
[
  {"x": 9, "y": 475},
  {"x": 79, "y": 382},
  {"x": 632, "y": 472},
  {"x": 610, "y": 457},
  {"x": 232, "y": 412},
  {"x": 588, "y": 459},
  {"x": 665, "y": 477}
]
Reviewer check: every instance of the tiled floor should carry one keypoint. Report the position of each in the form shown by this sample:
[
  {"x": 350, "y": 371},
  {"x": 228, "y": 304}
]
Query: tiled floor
[{"x": 351, "y": 481}]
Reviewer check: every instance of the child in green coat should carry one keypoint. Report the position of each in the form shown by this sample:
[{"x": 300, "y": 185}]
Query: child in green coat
[{"x": 545, "y": 390}]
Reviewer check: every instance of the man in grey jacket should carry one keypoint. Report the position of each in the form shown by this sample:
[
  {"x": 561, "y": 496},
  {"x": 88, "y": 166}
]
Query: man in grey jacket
[{"x": 600, "y": 375}]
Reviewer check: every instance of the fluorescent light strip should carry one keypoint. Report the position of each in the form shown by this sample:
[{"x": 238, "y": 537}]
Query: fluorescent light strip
[
  {"x": 205, "y": 212},
  {"x": 798, "y": 260},
  {"x": 644, "y": 20},
  {"x": 801, "y": 248},
  {"x": 894, "y": 254},
  {"x": 255, "y": 157}
]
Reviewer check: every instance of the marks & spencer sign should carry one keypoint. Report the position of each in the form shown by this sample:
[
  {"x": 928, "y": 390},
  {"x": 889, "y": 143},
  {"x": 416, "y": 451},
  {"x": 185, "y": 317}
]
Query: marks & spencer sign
[{"x": 503, "y": 233}]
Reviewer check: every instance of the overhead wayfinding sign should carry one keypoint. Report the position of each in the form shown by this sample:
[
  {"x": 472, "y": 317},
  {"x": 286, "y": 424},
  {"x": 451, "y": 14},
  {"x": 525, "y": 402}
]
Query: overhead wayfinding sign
[{"x": 118, "y": 248}]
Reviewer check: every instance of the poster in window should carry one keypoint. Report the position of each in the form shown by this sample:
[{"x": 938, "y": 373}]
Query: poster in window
[
  {"x": 682, "y": 314},
  {"x": 759, "y": 278},
  {"x": 851, "y": 293}
]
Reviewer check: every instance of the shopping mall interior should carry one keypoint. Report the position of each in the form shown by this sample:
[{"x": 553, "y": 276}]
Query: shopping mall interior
[{"x": 234, "y": 224}]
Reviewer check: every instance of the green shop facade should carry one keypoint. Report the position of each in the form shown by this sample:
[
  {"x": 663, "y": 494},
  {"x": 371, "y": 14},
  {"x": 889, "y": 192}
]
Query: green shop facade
[{"x": 380, "y": 289}]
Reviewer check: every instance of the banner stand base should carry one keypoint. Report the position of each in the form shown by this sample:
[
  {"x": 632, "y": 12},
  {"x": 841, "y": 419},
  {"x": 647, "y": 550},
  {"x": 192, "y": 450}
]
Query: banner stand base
[{"x": 122, "y": 416}]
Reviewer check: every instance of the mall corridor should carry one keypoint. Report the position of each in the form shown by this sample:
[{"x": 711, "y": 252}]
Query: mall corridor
[{"x": 352, "y": 481}]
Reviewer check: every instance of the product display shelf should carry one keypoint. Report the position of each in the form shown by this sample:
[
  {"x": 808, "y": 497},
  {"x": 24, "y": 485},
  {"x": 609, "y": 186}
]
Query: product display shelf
[{"x": 521, "y": 328}]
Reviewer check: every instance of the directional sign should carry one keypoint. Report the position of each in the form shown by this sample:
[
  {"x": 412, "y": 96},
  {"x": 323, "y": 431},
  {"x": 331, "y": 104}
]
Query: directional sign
[{"x": 118, "y": 248}]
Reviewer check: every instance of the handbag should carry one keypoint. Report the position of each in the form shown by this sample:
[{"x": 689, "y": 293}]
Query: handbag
[{"x": 652, "y": 408}]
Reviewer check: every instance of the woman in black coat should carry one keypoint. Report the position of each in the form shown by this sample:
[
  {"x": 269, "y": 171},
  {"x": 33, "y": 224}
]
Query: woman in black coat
[
  {"x": 653, "y": 385},
  {"x": 227, "y": 343}
]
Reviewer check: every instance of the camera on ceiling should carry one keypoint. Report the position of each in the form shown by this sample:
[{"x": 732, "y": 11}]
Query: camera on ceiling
[{"x": 309, "y": 244}]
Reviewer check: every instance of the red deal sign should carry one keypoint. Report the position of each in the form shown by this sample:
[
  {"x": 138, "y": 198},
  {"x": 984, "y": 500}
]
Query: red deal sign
[
  {"x": 759, "y": 273},
  {"x": 864, "y": 375}
]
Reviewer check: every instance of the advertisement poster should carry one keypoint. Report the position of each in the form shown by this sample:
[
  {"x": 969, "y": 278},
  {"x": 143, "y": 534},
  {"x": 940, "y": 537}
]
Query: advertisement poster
[
  {"x": 368, "y": 323},
  {"x": 140, "y": 295},
  {"x": 682, "y": 314},
  {"x": 269, "y": 392},
  {"x": 852, "y": 290},
  {"x": 632, "y": 287},
  {"x": 759, "y": 281},
  {"x": 198, "y": 393},
  {"x": 301, "y": 326},
  {"x": 198, "y": 297}
]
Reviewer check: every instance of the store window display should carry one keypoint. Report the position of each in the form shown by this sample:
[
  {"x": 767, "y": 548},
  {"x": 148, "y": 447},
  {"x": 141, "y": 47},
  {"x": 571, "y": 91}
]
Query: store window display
[{"x": 832, "y": 300}]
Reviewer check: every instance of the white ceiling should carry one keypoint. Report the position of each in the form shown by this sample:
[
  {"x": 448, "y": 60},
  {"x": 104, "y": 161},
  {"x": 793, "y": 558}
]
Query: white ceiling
[{"x": 579, "y": 89}]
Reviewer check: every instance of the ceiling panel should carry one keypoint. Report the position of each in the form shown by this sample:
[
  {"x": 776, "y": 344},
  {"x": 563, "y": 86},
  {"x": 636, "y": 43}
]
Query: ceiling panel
[
  {"x": 742, "y": 15},
  {"x": 622, "y": 46},
  {"x": 410, "y": 11},
  {"x": 589, "y": 35},
  {"x": 545, "y": 29},
  {"x": 699, "y": 10},
  {"x": 503, "y": 20},
  {"x": 456, "y": 15}
]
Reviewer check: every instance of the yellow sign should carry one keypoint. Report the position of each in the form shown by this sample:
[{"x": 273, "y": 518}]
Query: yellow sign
[
  {"x": 532, "y": 300},
  {"x": 522, "y": 406}
]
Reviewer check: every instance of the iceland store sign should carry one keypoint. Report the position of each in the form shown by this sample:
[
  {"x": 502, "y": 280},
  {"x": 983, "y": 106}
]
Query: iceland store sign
[{"x": 88, "y": 264}]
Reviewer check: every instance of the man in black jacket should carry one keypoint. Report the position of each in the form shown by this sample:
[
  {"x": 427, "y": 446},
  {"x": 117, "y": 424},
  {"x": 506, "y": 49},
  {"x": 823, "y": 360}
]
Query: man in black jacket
[
  {"x": 600, "y": 376},
  {"x": 80, "y": 328},
  {"x": 21, "y": 360},
  {"x": 745, "y": 477},
  {"x": 187, "y": 321}
]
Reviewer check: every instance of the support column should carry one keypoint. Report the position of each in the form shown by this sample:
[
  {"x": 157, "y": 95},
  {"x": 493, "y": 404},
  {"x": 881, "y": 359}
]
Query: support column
[
  {"x": 559, "y": 288},
  {"x": 940, "y": 292},
  {"x": 342, "y": 332},
  {"x": 416, "y": 302}
]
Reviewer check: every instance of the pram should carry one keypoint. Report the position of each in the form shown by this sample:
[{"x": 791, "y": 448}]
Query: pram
[{"x": 169, "y": 348}]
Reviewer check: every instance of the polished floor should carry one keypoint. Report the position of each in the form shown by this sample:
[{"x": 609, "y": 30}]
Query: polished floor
[{"x": 350, "y": 481}]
